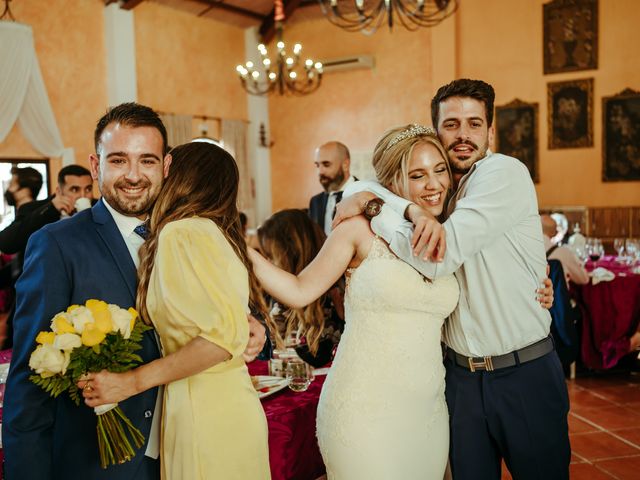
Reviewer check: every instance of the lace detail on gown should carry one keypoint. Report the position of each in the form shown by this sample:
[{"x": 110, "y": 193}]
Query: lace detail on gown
[{"x": 382, "y": 413}]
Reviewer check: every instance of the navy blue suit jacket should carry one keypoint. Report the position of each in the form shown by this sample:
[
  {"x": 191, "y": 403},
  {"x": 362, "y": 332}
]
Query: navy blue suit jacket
[
  {"x": 318, "y": 207},
  {"x": 66, "y": 263}
]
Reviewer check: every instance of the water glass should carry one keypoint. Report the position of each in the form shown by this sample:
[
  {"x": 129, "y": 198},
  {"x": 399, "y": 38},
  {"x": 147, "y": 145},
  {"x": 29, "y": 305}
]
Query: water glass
[
  {"x": 618, "y": 246},
  {"x": 595, "y": 250},
  {"x": 299, "y": 374}
]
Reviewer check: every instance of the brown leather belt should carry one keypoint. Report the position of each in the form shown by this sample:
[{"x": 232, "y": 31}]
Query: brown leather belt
[{"x": 526, "y": 354}]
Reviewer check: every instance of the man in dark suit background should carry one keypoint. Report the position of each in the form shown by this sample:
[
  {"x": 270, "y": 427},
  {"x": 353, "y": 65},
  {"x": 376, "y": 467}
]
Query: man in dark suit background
[
  {"x": 74, "y": 182},
  {"x": 87, "y": 256},
  {"x": 333, "y": 161}
]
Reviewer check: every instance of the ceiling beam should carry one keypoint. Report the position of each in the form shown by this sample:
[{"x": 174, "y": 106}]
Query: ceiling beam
[
  {"x": 219, "y": 5},
  {"x": 268, "y": 28},
  {"x": 130, "y": 4}
]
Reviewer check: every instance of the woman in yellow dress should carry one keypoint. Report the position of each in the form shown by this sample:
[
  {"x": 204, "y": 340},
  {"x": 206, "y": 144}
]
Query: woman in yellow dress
[{"x": 194, "y": 284}]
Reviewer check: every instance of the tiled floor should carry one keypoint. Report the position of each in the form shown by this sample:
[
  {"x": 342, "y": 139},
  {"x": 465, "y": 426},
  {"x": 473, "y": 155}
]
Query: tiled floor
[{"x": 604, "y": 427}]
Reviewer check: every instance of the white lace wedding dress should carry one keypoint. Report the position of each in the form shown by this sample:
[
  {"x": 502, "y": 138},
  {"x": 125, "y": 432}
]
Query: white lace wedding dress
[{"x": 382, "y": 412}]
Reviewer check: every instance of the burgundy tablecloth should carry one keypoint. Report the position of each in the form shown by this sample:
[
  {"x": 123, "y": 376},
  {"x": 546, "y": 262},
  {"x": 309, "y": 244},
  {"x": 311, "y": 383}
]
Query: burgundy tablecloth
[
  {"x": 291, "y": 416},
  {"x": 610, "y": 315}
]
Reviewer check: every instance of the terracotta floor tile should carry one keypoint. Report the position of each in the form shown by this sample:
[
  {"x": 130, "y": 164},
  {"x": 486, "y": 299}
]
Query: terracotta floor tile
[
  {"x": 622, "y": 394},
  {"x": 611, "y": 418},
  {"x": 600, "y": 445},
  {"x": 586, "y": 471},
  {"x": 621, "y": 468},
  {"x": 577, "y": 425},
  {"x": 583, "y": 400},
  {"x": 631, "y": 434}
]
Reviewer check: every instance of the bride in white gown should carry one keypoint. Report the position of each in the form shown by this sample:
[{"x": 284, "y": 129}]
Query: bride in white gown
[{"x": 382, "y": 412}]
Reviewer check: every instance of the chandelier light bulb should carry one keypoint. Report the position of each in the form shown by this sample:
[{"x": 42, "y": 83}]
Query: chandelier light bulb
[
  {"x": 255, "y": 74},
  {"x": 249, "y": 65},
  {"x": 280, "y": 45},
  {"x": 272, "y": 76},
  {"x": 318, "y": 66},
  {"x": 266, "y": 62},
  {"x": 293, "y": 75},
  {"x": 289, "y": 61},
  {"x": 296, "y": 48},
  {"x": 309, "y": 63}
]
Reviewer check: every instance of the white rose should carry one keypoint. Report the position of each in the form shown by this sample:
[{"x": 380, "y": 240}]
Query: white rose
[
  {"x": 79, "y": 317},
  {"x": 67, "y": 341},
  {"x": 47, "y": 360},
  {"x": 121, "y": 320}
]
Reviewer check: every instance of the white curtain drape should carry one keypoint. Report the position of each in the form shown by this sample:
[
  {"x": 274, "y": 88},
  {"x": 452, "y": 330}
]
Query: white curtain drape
[
  {"x": 23, "y": 95},
  {"x": 233, "y": 134},
  {"x": 179, "y": 128}
]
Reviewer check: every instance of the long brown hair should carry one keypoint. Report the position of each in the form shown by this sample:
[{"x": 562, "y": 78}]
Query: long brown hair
[
  {"x": 291, "y": 240},
  {"x": 203, "y": 182}
]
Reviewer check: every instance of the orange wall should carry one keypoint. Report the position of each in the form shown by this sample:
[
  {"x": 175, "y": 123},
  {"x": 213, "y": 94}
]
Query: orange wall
[
  {"x": 508, "y": 54},
  {"x": 499, "y": 41},
  {"x": 186, "y": 64},
  {"x": 69, "y": 42},
  {"x": 354, "y": 107}
]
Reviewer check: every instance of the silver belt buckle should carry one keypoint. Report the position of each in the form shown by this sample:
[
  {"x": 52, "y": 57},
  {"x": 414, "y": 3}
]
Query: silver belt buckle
[{"x": 480, "y": 363}]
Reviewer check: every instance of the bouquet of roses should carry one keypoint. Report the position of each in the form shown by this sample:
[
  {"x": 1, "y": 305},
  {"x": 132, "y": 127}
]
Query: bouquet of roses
[{"x": 91, "y": 338}]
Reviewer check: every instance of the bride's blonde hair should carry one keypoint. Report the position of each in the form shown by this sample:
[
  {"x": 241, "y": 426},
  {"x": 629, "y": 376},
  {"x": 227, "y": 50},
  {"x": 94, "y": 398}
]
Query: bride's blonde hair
[{"x": 393, "y": 152}]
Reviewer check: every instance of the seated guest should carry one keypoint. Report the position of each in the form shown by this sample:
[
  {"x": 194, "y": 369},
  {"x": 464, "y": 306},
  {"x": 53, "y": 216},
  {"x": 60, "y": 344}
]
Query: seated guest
[
  {"x": 74, "y": 182},
  {"x": 571, "y": 264},
  {"x": 290, "y": 240}
]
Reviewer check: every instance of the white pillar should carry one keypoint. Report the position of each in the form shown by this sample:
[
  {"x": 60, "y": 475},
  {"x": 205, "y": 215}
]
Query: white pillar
[
  {"x": 258, "y": 110},
  {"x": 121, "y": 55}
]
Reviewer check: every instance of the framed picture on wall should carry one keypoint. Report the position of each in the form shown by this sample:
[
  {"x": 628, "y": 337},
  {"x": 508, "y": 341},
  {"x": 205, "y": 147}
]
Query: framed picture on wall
[
  {"x": 570, "y": 114},
  {"x": 517, "y": 133},
  {"x": 621, "y": 136},
  {"x": 570, "y": 35}
]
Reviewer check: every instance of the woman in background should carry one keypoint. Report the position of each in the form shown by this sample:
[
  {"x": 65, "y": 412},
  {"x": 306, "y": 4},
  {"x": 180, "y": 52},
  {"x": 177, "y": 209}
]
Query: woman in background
[{"x": 291, "y": 240}]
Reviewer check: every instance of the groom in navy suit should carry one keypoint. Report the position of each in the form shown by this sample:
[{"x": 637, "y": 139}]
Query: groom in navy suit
[{"x": 91, "y": 255}]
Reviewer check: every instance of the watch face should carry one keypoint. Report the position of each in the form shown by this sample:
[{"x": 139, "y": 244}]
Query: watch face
[{"x": 373, "y": 209}]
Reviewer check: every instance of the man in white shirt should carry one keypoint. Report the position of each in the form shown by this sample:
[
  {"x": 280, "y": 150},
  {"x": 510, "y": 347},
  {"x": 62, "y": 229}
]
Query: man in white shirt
[
  {"x": 505, "y": 386},
  {"x": 332, "y": 160},
  {"x": 571, "y": 264}
]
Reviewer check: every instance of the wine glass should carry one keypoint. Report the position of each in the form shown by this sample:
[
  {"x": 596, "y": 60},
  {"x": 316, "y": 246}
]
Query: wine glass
[
  {"x": 632, "y": 247},
  {"x": 618, "y": 246},
  {"x": 595, "y": 250}
]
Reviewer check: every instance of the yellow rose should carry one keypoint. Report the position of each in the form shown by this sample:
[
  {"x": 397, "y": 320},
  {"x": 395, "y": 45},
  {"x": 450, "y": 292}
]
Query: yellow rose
[
  {"x": 71, "y": 308},
  {"x": 45, "y": 337},
  {"x": 103, "y": 321},
  {"x": 60, "y": 324},
  {"x": 96, "y": 305},
  {"x": 134, "y": 313},
  {"x": 91, "y": 335}
]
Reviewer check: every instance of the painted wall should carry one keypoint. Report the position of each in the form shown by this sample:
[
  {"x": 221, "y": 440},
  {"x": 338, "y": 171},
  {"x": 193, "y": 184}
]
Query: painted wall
[
  {"x": 508, "y": 54},
  {"x": 186, "y": 64},
  {"x": 69, "y": 42},
  {"x": 354, "y": 107},
  {"x": 499, "y": 41}
]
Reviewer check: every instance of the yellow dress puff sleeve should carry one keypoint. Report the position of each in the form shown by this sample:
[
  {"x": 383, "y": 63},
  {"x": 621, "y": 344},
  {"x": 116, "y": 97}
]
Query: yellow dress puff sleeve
[{"x": 198, "y": 287}]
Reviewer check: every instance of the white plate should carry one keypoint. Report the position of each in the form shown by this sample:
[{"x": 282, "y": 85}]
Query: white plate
[{"x": 267, "y": 385}]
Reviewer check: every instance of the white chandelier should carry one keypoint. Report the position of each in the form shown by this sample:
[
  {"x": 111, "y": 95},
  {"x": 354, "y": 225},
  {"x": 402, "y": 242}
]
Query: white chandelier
[{"x": 286, "y": 74}]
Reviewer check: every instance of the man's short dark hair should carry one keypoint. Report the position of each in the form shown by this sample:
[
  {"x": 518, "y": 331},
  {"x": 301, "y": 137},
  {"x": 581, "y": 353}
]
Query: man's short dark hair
[
  {"x": 28, "y": 177},
  {"x": 464, "y": 87},
  {"x": 75, "y": 170},
  {"x": 131, "y": 115}
]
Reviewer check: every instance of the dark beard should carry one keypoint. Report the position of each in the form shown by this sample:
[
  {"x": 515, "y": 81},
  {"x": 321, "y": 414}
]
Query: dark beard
[{"x": 331, "y": 184}]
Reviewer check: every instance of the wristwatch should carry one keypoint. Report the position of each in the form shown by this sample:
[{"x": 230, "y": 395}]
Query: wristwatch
[{"x": 373, "y": 207}]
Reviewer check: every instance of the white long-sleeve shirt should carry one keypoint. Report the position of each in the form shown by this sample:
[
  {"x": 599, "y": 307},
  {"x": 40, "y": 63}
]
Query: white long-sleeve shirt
[{"x": 494, "y": 248}]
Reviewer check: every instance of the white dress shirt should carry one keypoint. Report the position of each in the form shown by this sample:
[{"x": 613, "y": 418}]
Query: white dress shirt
[
  {"x": 331, "y": 205},
  {"x": 126, "y": 225},
  {"x": 494, "y": 248}
]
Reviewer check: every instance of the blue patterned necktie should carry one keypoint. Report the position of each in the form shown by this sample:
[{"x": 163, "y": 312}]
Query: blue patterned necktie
[{"x": 142, "y": 230}]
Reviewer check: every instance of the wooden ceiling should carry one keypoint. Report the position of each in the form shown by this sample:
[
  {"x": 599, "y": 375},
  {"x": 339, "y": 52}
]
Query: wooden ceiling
[{"x": 241, "y": 13}]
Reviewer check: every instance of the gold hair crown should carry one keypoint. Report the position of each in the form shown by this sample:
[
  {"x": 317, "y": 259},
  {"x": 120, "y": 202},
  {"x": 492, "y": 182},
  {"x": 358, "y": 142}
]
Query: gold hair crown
[{"x": 413, "y": 131}]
